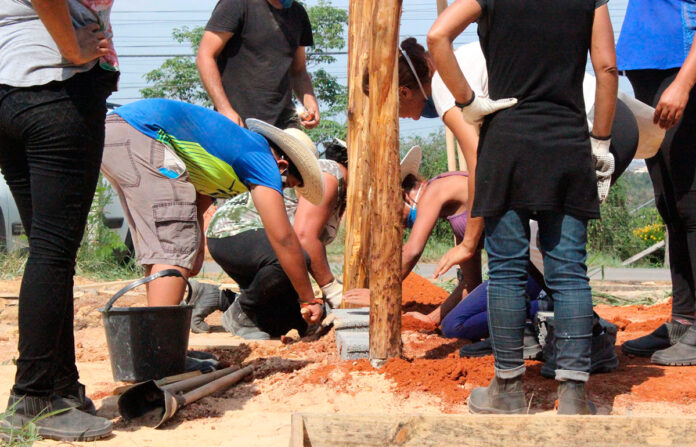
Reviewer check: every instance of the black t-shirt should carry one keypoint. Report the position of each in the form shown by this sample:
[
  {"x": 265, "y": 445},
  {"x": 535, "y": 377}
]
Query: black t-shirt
[
  {"x": 536, "y": 155},
  {"x": 255, "y": 63}
]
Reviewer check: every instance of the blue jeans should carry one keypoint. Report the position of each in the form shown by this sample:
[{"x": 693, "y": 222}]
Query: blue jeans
[
  {"x": 469, "y": 318},
  {"x": 562, "y": 240}
]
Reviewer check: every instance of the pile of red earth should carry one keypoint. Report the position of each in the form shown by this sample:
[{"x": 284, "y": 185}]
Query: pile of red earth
[{"x": 431, "y": 364}]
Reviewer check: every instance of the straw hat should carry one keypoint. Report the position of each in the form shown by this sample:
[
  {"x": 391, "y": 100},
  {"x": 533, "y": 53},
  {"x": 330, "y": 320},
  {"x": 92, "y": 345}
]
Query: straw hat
[
  {"x": 650, "y": 135},
  {"x": 301, "y": 151},
  {"x": 411, "y": 162}
]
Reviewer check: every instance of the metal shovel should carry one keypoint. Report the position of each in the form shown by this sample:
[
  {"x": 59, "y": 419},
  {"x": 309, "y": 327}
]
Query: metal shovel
[{"x": 152, "y": 405}]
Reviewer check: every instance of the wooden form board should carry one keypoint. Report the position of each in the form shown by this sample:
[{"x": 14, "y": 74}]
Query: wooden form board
[{"x": 385, "y": 430}]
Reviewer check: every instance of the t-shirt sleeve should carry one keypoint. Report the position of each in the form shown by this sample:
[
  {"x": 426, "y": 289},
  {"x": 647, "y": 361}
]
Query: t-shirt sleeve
[
  {"x": 306, "y": 37},
  {"x": 483, "y": 4},
  {"x": 227, "y": 16},
  {"x": 599, "y": 3},
  {"x": 473, "y": 64},
  {"x": 258, "y": 168}
]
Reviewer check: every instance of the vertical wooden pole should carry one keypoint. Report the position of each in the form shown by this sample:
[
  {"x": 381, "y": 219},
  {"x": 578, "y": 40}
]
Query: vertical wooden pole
[
  {"x": 462, "y": 160},
  {"x": 357, "y": 244},
  {"x": 451, "y": 157},
  {"x": 386, "y": 229},
  {"x": 449, "y": 136}
]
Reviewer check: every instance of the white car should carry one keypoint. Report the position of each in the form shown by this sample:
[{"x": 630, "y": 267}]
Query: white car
[{"x": 12, "y": 230}]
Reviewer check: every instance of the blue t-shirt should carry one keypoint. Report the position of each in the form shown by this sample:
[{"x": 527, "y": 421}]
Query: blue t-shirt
[
  {"x": 656, "y": 34},
  {"x": 222, "y": 158}
]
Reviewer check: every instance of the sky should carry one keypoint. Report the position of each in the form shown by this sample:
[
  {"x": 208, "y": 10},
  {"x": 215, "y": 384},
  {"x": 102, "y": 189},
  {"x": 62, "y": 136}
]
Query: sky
[{"x": 142, "y": 37}]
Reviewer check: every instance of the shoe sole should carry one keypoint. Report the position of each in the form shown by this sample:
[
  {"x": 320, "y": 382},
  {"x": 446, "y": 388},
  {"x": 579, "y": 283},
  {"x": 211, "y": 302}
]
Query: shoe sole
[
  {"x": 690, "y": 362},
  {"x": 58, "y": 435},
  {"x": 640, "y": 352},
  {"x": 481, "y": 410}
]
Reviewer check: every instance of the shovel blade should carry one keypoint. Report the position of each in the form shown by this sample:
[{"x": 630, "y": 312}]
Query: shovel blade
[{"x": 147, "y": 404}]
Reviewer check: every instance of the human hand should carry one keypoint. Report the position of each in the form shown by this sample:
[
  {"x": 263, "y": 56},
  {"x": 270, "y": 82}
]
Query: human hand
[
  {"x": 310, "y": 118},
  {"x": 92, "y": 43},
  {"x": 480, "y": 107},
  {"x": 357, "y": 297},
  {"x": 333, "y": 293},
  {"x": 419, "y": 316},
  {"x": 312, "y": 313},
  {"x": 455, "y": 255},
  {"x": 230, "y": 113},
  {"x": 671, "y": 106}
]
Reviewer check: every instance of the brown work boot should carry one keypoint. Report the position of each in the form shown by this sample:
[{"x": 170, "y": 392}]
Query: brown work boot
[
  {"x": 572, "y": 398},
  {"x": 502, "y": 396}
]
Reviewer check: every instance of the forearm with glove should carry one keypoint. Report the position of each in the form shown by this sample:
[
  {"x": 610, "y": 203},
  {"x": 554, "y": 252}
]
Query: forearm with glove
[
  {"x": 604, "y": 164},
  {"x": 333, "y": 293}
]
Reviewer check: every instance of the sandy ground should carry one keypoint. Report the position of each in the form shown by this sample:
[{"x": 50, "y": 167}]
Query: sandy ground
[{"x": 308, "y": 376}]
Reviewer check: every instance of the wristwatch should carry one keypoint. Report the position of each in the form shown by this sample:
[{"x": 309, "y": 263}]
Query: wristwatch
[{"x": 461, "y": 105}]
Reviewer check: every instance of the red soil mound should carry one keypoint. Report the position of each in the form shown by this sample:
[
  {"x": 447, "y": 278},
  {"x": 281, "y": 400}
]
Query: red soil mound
[{"x": 420, "y": 295}]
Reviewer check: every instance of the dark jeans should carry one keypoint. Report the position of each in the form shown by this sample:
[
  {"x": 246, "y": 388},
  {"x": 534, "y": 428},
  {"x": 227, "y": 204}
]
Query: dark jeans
[
  {"x": 469, "y": 318},
  {"x": 51, "y": 142},
  {"x": 267, "y": 295},
  {"x": 562, "y": 242},
  {"x": 673, "y": 174}
]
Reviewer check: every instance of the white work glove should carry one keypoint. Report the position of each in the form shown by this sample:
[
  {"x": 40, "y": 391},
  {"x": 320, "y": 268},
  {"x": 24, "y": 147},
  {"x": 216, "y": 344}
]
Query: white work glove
[
  {"x": 480, "y": 107},
  {"x": 333, "y": 293},
  {"x": 604, "y": 165}
]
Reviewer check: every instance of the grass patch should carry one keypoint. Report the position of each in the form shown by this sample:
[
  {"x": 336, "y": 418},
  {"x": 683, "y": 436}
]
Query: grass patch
[{"x": 22, "y": 437}]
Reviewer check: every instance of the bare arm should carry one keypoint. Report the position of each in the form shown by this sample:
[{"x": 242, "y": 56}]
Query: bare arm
[
  {"x": 446, "y": 28},
  {"x": 673, "y": 101},
  {"x": 603, "y": 56},
  {"x": 78, "y": 46},
  {"x": 428, "y": 212},
  {"x": 302, "y": 86},
  {"x": 269, "y": 203},
  {"x": 212, "y": 44},
  {"x": 310, "y": 221}
]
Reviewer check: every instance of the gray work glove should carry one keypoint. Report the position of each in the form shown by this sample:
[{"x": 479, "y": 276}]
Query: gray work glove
[
  {"x": 206, "y": 299},
  {"x": 333, "y": 293},
  {"x": 604, "y": 166}
]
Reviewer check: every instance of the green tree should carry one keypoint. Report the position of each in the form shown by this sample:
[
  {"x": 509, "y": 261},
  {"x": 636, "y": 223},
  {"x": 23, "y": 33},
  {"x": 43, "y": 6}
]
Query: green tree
[{"x": 178, "y": 78}]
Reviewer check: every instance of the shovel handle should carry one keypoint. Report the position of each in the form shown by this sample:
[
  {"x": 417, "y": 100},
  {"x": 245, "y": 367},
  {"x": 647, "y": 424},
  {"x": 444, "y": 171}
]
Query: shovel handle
[
  {"x": 202, "y": 379},
  {"x": 216, "y": 385}
]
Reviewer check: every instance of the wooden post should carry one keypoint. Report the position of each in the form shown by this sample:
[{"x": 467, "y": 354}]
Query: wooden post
[
  {"x": 386, "y": 229},
  {"x": 449, "y": 136},
  {"x": 462, "y": 160},
  {"x": 357, "y": 243}
]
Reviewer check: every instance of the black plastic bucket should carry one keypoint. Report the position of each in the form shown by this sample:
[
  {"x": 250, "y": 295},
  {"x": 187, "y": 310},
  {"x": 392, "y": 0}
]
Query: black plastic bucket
[{"x": 147, "y": 342}]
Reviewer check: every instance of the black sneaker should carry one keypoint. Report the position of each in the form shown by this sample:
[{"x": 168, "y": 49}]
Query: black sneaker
[
  {"x": 502, "y": 396},
  {"x": 67, "y": 424},
  {"x": 661, "y": 338},
  {"x": 235, "y": 321},
  {"x": 478, "y": 349},
  {"x": 603, "y": 356},
  {"x": 572, "y": 398},
  {"x": 683, "y": 353}
]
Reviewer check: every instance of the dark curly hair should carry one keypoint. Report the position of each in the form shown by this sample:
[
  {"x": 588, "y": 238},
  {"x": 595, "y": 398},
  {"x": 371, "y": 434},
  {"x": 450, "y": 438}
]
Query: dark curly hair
[
  {"x": 416, "y": 52},
  {"x": 336, "y": 151}
]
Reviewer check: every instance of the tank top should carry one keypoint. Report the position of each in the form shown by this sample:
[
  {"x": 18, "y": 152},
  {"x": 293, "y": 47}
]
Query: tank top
[{"x": 456, "y": 221}]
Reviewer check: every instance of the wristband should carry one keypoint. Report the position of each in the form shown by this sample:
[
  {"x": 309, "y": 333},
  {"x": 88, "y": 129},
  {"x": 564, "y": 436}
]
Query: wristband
[
  {"x": 461, "y": 105},
  {"x": 600, "y": 138}
]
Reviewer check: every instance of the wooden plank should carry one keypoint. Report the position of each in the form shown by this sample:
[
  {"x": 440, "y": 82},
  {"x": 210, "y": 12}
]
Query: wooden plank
[
  {"x": 385, "y": 219},
  {"x": 324, "y": 430},
  {"x": 357, "y": 243},
  {"x": 644, "y": 253}
]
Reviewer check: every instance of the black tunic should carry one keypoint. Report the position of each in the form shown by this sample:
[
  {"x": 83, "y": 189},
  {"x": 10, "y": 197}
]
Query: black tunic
[{"x": 536, "y": 156}]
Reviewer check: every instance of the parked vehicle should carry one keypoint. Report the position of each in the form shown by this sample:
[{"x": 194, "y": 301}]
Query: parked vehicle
[{"x": 12, "y": 232}]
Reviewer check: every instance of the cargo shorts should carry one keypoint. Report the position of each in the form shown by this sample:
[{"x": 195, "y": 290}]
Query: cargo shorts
[{"x": 157, "y": 197}]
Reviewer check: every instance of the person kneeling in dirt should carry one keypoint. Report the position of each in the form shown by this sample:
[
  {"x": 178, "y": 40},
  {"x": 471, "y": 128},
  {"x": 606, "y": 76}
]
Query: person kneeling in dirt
[
  {"x": 237, "y": 240},
  {"x": 166, "y": 159}
]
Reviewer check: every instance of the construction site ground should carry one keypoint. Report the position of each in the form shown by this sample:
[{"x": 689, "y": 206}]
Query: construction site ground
[{"x": 309, "y": 377}]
